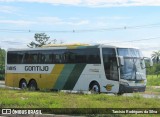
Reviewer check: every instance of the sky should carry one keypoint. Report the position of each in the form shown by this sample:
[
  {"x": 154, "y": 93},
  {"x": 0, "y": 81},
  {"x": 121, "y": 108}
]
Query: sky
[{"x": 112, "y": 22}]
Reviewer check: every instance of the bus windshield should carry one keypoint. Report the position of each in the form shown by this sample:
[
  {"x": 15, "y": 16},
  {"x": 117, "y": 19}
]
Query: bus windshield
[{"x": 133, "y": 68}]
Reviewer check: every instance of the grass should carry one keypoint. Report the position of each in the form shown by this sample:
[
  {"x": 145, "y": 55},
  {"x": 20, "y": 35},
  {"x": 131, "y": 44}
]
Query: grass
[
  {"x": 152, "y": 90},
  {"x": 153, "y": 80},
  {"x": 44, "y": 99},
  {"x": 26, "y": 99}
]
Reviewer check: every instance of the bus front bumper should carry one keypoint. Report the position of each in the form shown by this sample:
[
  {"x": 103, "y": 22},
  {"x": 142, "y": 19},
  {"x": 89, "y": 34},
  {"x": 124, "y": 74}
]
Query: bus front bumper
[{"x": 131, "y": 89}]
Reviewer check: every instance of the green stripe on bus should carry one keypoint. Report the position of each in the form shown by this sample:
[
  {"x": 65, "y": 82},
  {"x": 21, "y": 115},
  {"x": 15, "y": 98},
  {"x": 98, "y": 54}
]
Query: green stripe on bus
[
  {"x": 56, "y": 72},
  {"x": 74, "y": 76},
  {"x": 64, "y": 76}
]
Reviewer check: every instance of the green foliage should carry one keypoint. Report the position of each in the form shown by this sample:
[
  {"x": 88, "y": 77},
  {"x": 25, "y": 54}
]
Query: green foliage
[
  {"x": 41, "y": 39},
  {"x": 155, "y": 56},
  {"x": 154, "y": 70},
  {"x": 2, "y": 57},
  {"x": 153, "y": 80},
  {"x": 2, "y": 63}
]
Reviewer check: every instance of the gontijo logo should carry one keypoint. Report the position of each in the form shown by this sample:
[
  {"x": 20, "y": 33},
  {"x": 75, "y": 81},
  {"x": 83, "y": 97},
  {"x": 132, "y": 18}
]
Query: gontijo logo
[{"x": 36, "y": 68}]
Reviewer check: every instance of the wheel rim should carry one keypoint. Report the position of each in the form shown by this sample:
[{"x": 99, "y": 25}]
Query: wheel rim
[
  {"x": 95, "y": 88},
  {"x": 23, "y": 85},
  {"x": 33, "y": 87}
]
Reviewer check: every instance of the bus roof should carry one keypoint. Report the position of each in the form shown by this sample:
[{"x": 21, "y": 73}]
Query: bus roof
[
  {"x": 65, "y": 45},
  {"x": 69, "y": 46},
  {"x": 89, "y": 45},
  {"x": 119, "y": 46}
]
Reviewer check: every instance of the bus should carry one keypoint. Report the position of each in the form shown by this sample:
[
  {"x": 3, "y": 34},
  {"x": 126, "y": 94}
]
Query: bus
[{"x": 97, "y": 68}]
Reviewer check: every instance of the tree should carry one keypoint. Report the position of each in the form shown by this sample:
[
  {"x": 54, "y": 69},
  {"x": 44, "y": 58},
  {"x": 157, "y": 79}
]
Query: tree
[
  {"x": 2, "y": 57},
  {"x": 2, "y": 63},
  {"x": 41, "y": 39},
  {"x": 156, "y": 56}
]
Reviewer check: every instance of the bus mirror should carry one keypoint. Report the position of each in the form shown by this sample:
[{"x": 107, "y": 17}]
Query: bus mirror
[
  {"x": 150, "y": 62},
  {"x": 121, "y": 60}
]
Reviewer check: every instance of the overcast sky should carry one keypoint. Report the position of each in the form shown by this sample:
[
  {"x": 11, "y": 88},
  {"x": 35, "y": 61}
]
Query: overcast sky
[{"x": 127, "y": 22}]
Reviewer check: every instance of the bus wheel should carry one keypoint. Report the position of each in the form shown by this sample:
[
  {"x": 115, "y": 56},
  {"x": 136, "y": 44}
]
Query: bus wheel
[
  {"x": 32, "y": 85},
  {"x": 23, "y": 84},
  {"x": 94, "y": 87}
]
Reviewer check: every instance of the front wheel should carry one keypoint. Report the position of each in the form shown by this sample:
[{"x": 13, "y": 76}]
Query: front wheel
[
  {"x": 32, "y": 85},
  {"x": 95, "y": 88}
]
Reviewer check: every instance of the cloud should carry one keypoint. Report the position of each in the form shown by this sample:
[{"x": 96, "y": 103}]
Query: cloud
[
  {"x": 7, "y": 9},
  {"x": 60, "y": 21},
  {"x": 67, "y": 2},
  {"x": 17, "y": 22},
  {"x": 118, "y": 3},
  {"x": 45, "y": 21},
  {"x": 95, "y": 3},
  {"x": 78, "y": 23},
  {"x": 14, "y": 42}
]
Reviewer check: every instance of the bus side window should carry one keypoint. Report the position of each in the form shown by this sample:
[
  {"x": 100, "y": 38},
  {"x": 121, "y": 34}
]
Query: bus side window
[
  {"x": 42, "y": 59},
  {"x": 48, "y": 58},
  {"x": 110, "y": 63},
  {"x": 29, "y": 59},
  {"x": 35, "y": 58},
  {"x": 113, "y": 69},
  {"x": 57, "y": 58},
  {"x": 25, "y": 58}
]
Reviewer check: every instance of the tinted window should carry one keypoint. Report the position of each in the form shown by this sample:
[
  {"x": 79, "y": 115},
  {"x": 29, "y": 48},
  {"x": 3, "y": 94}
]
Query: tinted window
[
  {"x": 61, "y": 56},
  {"x": 12, "y": 57},
  {"x": 44, "y": 57},
  {"x": 110, "y": 63},
  {"x": 90, "y": 56},
  {"x": 129, "y": 52},
  {"x": 30, "y": 57}
]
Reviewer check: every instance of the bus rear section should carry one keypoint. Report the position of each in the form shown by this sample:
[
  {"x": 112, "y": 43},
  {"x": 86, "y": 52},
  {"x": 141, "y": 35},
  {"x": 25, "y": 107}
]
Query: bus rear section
[{"x": 58, "y": 68}]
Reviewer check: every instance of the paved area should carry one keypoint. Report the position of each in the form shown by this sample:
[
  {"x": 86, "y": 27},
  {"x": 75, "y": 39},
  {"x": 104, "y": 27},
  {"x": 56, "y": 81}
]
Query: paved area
[{"x": 2, "y": 84}]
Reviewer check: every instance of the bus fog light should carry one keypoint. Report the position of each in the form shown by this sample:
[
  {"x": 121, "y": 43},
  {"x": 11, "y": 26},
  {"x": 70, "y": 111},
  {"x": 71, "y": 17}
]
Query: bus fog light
[{"x": 124, "y": 83}]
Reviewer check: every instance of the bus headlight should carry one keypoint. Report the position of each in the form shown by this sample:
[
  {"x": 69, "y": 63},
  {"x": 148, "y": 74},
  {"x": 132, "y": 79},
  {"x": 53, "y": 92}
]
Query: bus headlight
[{"x": 124, "y": 83}]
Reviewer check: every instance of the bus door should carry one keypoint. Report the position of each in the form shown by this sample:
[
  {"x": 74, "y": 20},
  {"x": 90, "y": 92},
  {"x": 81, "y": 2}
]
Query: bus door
[{"x": 111, "y": 69}]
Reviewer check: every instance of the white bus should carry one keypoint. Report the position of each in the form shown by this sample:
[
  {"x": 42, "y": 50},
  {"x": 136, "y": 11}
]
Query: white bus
[{"x": 99, "y": 68}]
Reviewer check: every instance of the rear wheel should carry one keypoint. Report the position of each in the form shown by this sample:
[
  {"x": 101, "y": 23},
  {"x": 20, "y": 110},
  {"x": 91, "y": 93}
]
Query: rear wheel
[
  {"x": 32, "y": 85},
  {"x": 23, "y": 84},
  {"x": 94, "y": 87}
]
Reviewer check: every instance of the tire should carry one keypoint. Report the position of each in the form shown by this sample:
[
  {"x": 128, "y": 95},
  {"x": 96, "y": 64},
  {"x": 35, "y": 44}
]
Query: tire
[
  {"x": 32, "y": 85},
  {"x": 23, "y": 84},
  {"x": 95, "y": 88}
]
